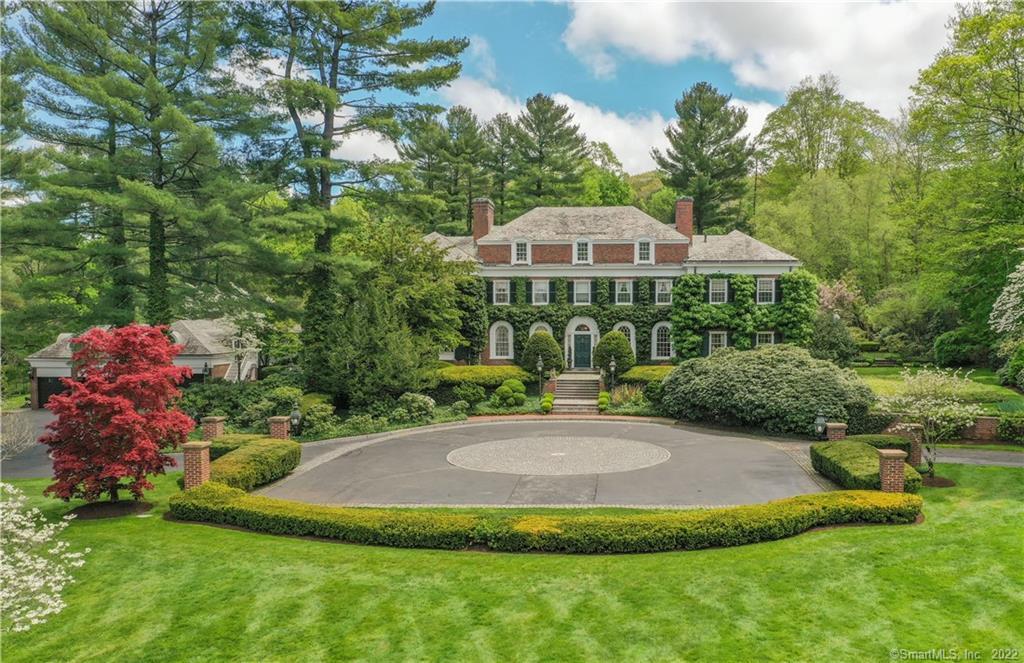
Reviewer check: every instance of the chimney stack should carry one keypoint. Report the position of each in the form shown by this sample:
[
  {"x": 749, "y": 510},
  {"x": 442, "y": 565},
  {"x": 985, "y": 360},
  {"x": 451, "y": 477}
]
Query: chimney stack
[
  {"x": 483, "y": 217},
  {"x": 684, "y": 216}
]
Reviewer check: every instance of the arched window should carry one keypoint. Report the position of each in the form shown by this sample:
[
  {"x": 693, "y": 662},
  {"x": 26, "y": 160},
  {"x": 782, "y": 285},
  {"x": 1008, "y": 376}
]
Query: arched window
[
  {"x": 501, "y": 341},
  {"x": 661, "y": 341},
  {"x": 629, "y": 331},
  {"x": 540, "y": 326}
]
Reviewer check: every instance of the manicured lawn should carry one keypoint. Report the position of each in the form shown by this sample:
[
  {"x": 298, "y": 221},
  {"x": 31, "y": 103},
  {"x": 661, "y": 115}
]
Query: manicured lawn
[
  {"x": 14, "y": 402},
  {"x": 154, "y": 590},
  {"x": 984, "y": 447},
  {"x": 988, "y": 393}
]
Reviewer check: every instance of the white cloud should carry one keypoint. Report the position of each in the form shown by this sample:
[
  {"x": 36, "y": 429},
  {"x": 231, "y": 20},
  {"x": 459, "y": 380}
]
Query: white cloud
[
  {"x": 365, "y": 145},
  {"x": 480, "y": 97},
  {"x": 876, "y": 49},
  {"x": 757, "y": 113},
  {"x": 479, "y": 54}
]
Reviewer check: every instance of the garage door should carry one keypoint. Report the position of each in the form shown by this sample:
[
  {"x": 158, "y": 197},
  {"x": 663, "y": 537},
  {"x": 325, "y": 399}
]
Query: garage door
[{"x": 48, "y": 387}]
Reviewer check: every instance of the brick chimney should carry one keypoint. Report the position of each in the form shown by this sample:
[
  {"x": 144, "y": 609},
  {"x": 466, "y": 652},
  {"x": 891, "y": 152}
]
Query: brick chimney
[
  {"x": 684, "y": 216},
  {"x": 483, "y": 217}
]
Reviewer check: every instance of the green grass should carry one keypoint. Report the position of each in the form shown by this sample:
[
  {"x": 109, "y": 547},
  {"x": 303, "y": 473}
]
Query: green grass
[
  {"x": 14, "y": 402},
  {"x": 986, "y": 392},
  {"x": 154, "y": 590},
  {"x": 984, "y": 447}
]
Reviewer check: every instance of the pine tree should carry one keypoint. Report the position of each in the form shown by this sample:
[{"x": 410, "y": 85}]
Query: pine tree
[
  {"x": 499, "y": 162},
  {"x": 549, "y": 155},
  {"x": 707, "y": 158}
]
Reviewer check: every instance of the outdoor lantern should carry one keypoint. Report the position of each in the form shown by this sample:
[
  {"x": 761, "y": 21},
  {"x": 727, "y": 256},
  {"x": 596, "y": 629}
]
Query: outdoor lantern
[
  {"x": 206, "y": 368},
  {"x": 611, "y": 367},
  {"x": 819, "y": 425},
  {"x": 540, "y": 373},
  {"x": 296, "y": 419}
]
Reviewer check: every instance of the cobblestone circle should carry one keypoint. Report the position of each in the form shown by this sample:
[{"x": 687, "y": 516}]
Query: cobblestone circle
[{"x": 558, "y": 456}]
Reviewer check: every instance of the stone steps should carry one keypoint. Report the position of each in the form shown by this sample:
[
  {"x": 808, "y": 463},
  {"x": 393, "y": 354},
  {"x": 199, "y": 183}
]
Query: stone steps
[{"x": 576, "y": 393}]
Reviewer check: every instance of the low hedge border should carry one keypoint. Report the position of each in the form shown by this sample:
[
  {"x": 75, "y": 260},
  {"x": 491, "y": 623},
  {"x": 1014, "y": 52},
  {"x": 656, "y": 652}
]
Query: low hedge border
[
  {"x": 855, "y": 465},
  {"x": 882, "y": 441},
  {"x": 633, "y": 533},
  {"x": 252, "y": 461}
]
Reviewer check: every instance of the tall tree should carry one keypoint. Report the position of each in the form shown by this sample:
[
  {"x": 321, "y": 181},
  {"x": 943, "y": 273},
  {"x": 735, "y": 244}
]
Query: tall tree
[
  {"x": 707, "y": 158},
  {"x": 550, "y": 154},
  {"x": 499, "y": 162},
  {"x": 337, "y": 67},
  {"x": 604, "y": 181}
]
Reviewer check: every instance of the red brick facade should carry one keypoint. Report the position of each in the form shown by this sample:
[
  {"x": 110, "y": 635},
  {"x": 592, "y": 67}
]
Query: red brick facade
[
  {"x": 213, "y": 427},
  {"x": 984, "y": 428},
  {"x": 835, "y": 431},
  {"x": 614, "y": 253},
  {"x": 278, "y": 427},
  {"x": 684, "y": 216},
  {"x": 890, "y": 470},
  {"x": 604, "y": 253},
  {"x": 496, "y": 254},
  {"x": 551, "y": 254},
  {"x": 197, "y": 463},
  {"x": 670, "y": 253}
]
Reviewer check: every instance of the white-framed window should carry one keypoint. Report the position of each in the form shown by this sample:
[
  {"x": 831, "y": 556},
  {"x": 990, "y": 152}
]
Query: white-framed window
[
  {"x": 644, "y": 252},
  {"x": 520, "y": 252},
  {"x": 629, "y": 331},
  {"x": 501, "y": 341},
  {"x": 502, "y": 293},
  {"x": 581, "y": 252},
  {"x": 581, "y": 292},
  {"x": 765, "y": 338},
  {"x": 765, "y": 291},
  {"x": 718, "y": 291},
  {"x": 663, "y": 291},
  {"x": 540, "y": 326},
  {"x": 623, "y": 292},
  {"x": 716, "y": 340},
  {"x": 540, "y": 293},
  {"x": 661, "y": 341}
]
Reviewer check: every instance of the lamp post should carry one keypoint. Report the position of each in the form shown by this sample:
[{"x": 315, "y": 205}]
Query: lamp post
[
  {"x": 296, "y": 418},
  {"x": 206, "y": 371},
  {"x": 611, "y": 369},
  {"x": 540, "y": 375},
  {"x": 819, "y": 425}
]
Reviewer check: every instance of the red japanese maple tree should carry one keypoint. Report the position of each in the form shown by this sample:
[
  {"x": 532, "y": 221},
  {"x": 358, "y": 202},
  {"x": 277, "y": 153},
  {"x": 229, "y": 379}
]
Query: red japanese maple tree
[{"x": 117, "y": 414}]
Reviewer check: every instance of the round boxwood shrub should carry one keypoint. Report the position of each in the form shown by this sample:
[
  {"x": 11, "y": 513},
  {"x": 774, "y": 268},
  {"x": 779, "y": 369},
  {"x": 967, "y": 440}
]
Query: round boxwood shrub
[
  {"x": 511, "y": 393},
  {"x": 778, "y": 388},
  {"x": 614, "y": 344},
  {"x": 470, "y": 393},
  {"x": 541, "y": 344}
]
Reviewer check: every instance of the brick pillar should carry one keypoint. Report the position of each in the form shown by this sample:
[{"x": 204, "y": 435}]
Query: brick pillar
[
  {"x": 213, "y": 427},
  {"x": 835, "y": 431},
  {"x": 914, "y": 433},
  {"x": 278, "y": 427},
  {"x": 197, "y": 463},
  {"x": 890, "y": 469}
]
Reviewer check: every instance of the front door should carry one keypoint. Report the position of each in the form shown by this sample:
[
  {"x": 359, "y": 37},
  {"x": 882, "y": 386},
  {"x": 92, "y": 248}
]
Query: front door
[{"x": 581, "y": 351}]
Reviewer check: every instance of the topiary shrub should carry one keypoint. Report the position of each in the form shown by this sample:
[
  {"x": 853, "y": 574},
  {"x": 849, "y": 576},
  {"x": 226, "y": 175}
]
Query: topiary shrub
[
  {"x": 604, "y": 399},
  {"x": 645, "y": 374},
  {"x": 778, "y": 388},
  {"x": 960, "y": 347},
  {"x": 855, "y": 465},
  {"x": 516, "y": 386},
  {"x": 614, "y": 344},
  {"x": 510, "y": 394},
  {"x": 256, "y": 463},
  {"x": 485, "y": 376},
  {"x": 470, "y": 393},
  {"x": 541, "y": 344},
  {"x": 547, "y": 402},
  {"x": 831, "y": 340}
]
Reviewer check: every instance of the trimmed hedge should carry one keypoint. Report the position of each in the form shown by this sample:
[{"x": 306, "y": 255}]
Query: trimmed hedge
[
  {"x": 871, "y": 422},
  {"x": 1011, "y": 428},
  {"x": 225, "y": 444},
  {"x": 855, "y": 465},
  {"x": 485, "y": 376},
  {"x": 882, "y": 441},
  {"x": 256, "y": 462},
  {"x": 645, "y": 374},
  {"x": 628, "y": 533}
]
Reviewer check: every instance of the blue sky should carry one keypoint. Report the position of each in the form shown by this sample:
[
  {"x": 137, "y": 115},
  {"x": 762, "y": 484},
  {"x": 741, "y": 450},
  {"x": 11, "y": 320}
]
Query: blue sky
[{"x": 620, "y": 66}]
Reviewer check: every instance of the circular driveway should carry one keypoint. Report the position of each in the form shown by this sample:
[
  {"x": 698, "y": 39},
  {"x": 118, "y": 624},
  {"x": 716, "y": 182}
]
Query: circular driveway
[{"x": 549, "y": 462}]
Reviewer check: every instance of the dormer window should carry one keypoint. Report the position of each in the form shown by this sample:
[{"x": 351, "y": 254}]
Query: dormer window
[
  {"x": 520, "y": 252},
  {"x": 644, "y": 252},
  {"x": 581, "y": 252}
]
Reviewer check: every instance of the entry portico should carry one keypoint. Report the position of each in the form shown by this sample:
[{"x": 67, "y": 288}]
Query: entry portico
[{"x": 580, "y": 339}]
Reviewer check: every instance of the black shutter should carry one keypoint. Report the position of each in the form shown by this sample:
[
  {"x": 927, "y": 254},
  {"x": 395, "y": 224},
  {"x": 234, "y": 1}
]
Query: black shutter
[
  {"x": 730, "y": 293},
  {"x": 707, "y": 292},
  {"x": 511, "y": 291},
  {"x": 636, "y": 292},
  {"x": 706, "y": 345},
  {"x": 571, "y": 287},
  {"x": 593, "y": 291},
  {"x": 551, "y": 291},
  {"x": 730, "y": 340},
  {"x": 778, "y": 290},
  {"x": 529, "y": 292},
  {"x": 490, "y": 291}
]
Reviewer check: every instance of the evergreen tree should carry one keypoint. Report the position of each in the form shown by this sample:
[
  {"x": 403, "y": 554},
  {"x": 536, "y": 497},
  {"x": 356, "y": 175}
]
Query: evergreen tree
[
  {"x": 550, "y": 154},
  {"x": 707, "y": 158},
  {"x": 341, "y": 64},
  {"x": 466, "y": 148},
  {"x": 499, "y": 162}
]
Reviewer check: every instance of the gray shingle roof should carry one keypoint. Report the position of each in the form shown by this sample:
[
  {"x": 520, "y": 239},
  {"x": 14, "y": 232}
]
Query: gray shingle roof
[
  {"x": 596, "y": 223},
  {"x": 199, "y": 337},
  {"x": 60, "y": 349},
  {"x": 458, "y": 248},
  {"x": 734, "y": 247}
]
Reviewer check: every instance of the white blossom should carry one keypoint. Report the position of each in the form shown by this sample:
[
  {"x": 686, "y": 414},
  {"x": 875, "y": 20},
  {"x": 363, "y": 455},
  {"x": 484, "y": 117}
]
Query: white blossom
[
  {"x": 34, "y": 567},
  {"x": 1007, "y": 315}
]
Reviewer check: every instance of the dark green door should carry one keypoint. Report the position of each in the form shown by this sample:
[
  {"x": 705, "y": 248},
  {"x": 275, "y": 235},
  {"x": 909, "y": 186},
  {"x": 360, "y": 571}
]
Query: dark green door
[{"x": 581, "y": 351}]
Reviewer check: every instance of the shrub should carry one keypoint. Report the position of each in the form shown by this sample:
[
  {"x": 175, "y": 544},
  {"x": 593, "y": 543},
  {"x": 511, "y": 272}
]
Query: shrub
[
  {"x": 541, "y": 344},
  {"x": 644, "y": 374},
  {"x": 312, "y": 398},
  {"x": 470, "y": 393},
  {"x": 882, "y": 441},
  {"x": 319, "y": 419},
  {"x": 508, "y": 395},
  {"x": 871, "y": 422},
  {"x": 1011, "y": 428},
  {"x": 628, "y": 394},
  {"x": 256, "y": 463},
  {"x": 460, "y": 407},
  {"x": 547, "y": 402},
  {"x": 868, "y": 346},
  {"x": 1012, "y": 373},
  {"x": 228, "y": 443},
  {"x": 855, "y": 465},
  {"x": 614, "y": 344},
  {"x": 654, "y": 392},
  {"x": 831, "y": 340},
  {"x": 516, "y": 386},
  {"x": 778, "y": 388},
  {"x": 565, "y": 533},
  {"x": 485, "y": 376},
  {"x": 960, "y": 347},
  {"x": 603, "y": 400},
  {"x": 418, "y": 406}
]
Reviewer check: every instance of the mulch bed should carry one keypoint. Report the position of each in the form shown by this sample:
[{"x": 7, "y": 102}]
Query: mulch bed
[
  {"x": 937, "y": 482},
  {"x": 107, "y": 509}
]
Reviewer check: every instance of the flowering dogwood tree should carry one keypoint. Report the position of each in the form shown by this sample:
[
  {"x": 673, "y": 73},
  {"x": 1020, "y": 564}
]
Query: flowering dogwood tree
[
  {"x": 116, "y": 416},
  {"x": 934, "y": 398},
  {"x": 1007, "y": 315},
  {"x": 36, "y": 567}
]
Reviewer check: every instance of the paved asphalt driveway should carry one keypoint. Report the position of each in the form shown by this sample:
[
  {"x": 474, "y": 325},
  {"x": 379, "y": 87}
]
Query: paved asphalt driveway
[{"x": 704, "y": 467}]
